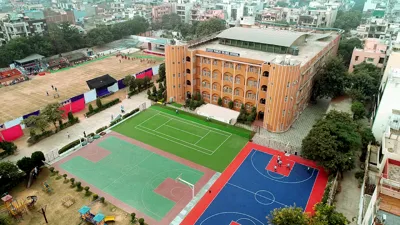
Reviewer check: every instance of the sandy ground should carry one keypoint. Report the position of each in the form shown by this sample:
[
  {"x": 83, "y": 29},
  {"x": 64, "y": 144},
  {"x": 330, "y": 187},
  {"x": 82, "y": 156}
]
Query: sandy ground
[
  {"x": 29, "y": 96},
  {"x": 56, "y": 213}
]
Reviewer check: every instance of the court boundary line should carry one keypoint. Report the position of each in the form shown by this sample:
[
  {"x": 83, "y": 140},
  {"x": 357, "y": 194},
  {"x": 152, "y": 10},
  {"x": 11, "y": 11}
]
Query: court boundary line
[
  {"x": 195, "y": 214},
  {"x": 199, "y": 209},
  {"x": 175, "y": 138},
  {"x": 189, "y": 121}
]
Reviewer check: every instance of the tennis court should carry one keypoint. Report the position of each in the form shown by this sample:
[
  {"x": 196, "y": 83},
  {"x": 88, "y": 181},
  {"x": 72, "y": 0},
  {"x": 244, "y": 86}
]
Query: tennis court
[
  {"x": 136, "y": 177},
  {"x": 251, "y": 187},
  {"x": 206, "y": 143}
]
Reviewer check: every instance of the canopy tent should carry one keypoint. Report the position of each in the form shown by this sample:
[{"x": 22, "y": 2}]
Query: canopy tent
[
  {"x": 30, "y": 58},
  {"x": 219, "y": 113},
  {"x": 101, "y": 82}
]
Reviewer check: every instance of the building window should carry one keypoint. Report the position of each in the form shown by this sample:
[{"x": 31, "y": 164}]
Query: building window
[
  {"x": 381, "y": 60},
  {"x": 238, "y": 104},
  {"x": 215, "y": 74},
  {"x": 173, "y": 75},
  {"x": 265, "y": 74},
  {"x": 237, "y": 80},
  {"x": 369, "y": 59},
  {"x": 179, "y": 85},
  {"x": 288, "y": 84},
  {"x": 179, "y": 75},
  {"x": 356, "y": 59},
  {"x": 285, "y": 98},
  {"x": 248, "y": 106},
  {"x": 187, "y": 59},
  {"x": 173, "y": 86},
  {"x": 215, "y": 62},
  {"x": 283, "y": 112},
  {"x": 215, "y": 98},
  {"x": 226, "y": 101},
  {"x": 214, "y": 87},
  {"x": 237, "y": 92},
  {"x": 238, "y": 66}
]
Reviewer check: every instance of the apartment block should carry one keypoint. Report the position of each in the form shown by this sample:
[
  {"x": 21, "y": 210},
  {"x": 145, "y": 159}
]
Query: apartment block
[
  {"x": 159, "y": 11},
  {"x": 272, "y": 70},
  {"x": 18, "y": 25},
  {"x": 374, "y": 52}
]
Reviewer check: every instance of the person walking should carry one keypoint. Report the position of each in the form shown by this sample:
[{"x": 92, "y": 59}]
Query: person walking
[
  {"x": 84, "y": 134},
  {"x": 68, "y": 135},
  {"x": 55, "y": 89},
  {"x": 52, "y": 87},
  {"x": 47, "y": 93}
]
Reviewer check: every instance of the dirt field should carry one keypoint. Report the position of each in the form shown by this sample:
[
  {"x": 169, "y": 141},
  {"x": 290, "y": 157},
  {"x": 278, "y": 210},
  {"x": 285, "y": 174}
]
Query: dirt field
[
  {"x": 29, "y": 96},
  {"x": 56, "y": 213}
]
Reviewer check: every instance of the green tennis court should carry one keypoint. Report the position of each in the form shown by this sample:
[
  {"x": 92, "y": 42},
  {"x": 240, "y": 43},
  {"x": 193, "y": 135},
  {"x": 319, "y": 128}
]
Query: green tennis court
[
  {"x": 130, "y": 173},
  {"x": 213, "y": 145}
]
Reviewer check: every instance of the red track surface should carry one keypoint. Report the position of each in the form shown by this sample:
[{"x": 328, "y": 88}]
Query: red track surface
[{"x": 315, "y": 196}]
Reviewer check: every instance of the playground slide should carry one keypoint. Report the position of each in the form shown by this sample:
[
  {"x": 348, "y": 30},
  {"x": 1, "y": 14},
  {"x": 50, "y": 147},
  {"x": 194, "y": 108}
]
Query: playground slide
[
  {"x": 30, "y": 179},
  {"x": 109, "y": 219}
]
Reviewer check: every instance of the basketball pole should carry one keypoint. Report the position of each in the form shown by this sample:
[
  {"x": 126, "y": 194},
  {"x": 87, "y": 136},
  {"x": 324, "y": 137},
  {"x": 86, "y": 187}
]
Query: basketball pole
[{"x": 188, "y": 184}]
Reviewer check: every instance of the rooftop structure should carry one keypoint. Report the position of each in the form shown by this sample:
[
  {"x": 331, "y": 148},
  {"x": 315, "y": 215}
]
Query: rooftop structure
[{"x": 374, "y": 52}]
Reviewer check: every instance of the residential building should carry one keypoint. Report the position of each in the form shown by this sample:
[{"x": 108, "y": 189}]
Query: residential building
[
  {"x": 59, "y": 16},
  {"x": 318, "y": 17},
  {"x": 381, "y": 187},
  {"x": 183, "y": 10},
  {"x": 388, "y": 92},
  {"x": 373, "y": 28},
  {"x": 117, "y": 6},
  {"x": 272, "y": 70},
  {"x": 157, "y": 12},
  {"x": 18, "y": 25},
  {"x": 374, "y": 52},
  {"x": 201, "y": 14}
]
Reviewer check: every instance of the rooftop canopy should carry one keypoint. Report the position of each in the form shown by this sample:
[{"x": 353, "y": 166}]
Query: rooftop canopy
[
  {"x": 84, "y": 210},
  {"x": 101, "y": 82},
  {"x": 98, "y": 218},
  {"x": 30, "y": 58},
  {"x": 264, "y": 36}
]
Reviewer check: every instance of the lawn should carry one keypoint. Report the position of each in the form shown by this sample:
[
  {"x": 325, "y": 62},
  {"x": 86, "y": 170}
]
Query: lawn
[{"x": 211, "y": 144}]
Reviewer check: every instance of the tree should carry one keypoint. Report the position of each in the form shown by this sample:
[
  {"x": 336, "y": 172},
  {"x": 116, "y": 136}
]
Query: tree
[
  {"x": 53, "y": 113},
  {"x": 367, "y": 137},
  {"x": 348, "y": 20},
  {"x": 146, "y": 82},
  {"x": 127, "y": 80},
  {"x": 9, "y": 176},
  {"x": 133, "y": 218},
  {"x": 8, "y": 147},
  {"x": 282, "y": 4},
  {"x": 38, "y": 158},
  {"x": 170, "y": 21},
  {"x": 5, "y": 220},
  {"x": 90, "y": 108},
  {"x": 288, "y": 216},
  {"x": 37, "y": 122},
  {"x": 161, "y": 73},
  {"x": 220, "y": 101},
  {"x": 332, "y": 142},
  {"x": 346, "y": 47},
  {"x": 99, "y": 103},
  {"x": 358, "y": 110},
  {"x": 364, "y": 82},
  {"x": 26, "y": 164},
  {"x": 230, "y": 104},
  {"x": 210, "y": 26},
  {"x": 331, "y": 80},
  {"x": 141, "y": 221},
  {"x": 327, "y": 215}
]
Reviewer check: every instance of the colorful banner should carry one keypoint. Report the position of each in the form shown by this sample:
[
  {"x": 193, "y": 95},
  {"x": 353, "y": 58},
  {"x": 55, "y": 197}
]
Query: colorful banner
[
  {"x": 12, "y": 133},
  {"x": 147, "y": 73},
  {"x": 36, "y": 113},
  {"x": 155, "y": 69},
  {"x": 12, "y": 123},
  {"x": 121, "y": 84},
  {"x": 90, "y": 96},
  {"x": 113, "y": 88}
]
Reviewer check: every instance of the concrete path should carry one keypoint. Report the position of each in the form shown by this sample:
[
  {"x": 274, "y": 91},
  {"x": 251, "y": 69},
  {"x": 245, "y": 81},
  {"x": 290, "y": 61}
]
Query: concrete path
[
  {"x": 347, "y": 201},
  {"x": 88, "y": 125}
]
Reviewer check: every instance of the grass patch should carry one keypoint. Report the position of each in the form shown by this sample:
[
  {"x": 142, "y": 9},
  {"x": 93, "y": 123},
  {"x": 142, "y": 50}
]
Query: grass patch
[
  {"x": 211, "y": 144},
  {"x": 84, "y": 63}
]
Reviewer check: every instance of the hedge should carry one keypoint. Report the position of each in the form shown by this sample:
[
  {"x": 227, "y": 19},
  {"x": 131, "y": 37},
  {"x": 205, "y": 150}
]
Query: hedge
[
  {"x": 103, "y": 107},
  {"x": 100, "y": 129},
  {"x": 115, "y": 121},
  {"x": 68, "y": 146},
  {"x": 130, "y": 113},
  {"x": 38, "y": 137}
]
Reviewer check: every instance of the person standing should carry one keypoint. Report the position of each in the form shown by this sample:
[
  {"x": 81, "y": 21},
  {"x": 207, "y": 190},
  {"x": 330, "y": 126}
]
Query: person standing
[
  {"x": 47, "y": 93},
  {"x": 84, "y": 134},
  {"x": 52, "y": 87},
  {"x": 68, "y": 134}
]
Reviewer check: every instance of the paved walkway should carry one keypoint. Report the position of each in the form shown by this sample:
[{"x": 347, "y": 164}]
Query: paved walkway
[
  {"x": 88, "y": 125},
  {"x": 299, "y": 130},
  {"x": 347, "y": 201}
]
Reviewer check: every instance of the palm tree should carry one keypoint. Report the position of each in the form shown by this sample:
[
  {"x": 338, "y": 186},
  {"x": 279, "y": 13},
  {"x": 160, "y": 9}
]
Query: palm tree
[{"x": 53, "y": 113}]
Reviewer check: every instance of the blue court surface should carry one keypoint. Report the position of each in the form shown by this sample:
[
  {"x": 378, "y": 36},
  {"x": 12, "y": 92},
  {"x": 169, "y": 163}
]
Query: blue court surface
[{"x": 253, "y": 192}]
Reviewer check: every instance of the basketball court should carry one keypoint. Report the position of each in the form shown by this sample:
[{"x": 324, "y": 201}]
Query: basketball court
[
  {"x": 250, "y": 188},
  {"x": 136, "y": 177},
  {"x": 29, "y": 96}
]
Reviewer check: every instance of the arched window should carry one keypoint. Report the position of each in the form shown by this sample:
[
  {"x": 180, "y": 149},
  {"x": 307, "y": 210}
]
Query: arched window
[
  {"x": 188, "y": 82},
  {"x": 188, "y": 71},
  {"x": 262, "y": 100},
  {"x": 265, "y": 74},
  {"x": 264, "y": 88},
  {"x": 187, "y": 59}
]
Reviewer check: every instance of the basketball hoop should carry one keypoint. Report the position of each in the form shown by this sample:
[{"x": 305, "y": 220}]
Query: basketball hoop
[{"x": 191, "y": 186}]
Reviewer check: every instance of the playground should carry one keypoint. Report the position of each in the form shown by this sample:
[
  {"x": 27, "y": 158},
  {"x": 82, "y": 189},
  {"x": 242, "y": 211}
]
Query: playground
[
  {"x": 136, "y": 177},
  {"x": 141, "y": 55},
  {"x": 29, "y": 96},
  {"x": 61, "y": 204},
  {"x": 253, "y": 180},
  {"x": 208, "y": 143}
]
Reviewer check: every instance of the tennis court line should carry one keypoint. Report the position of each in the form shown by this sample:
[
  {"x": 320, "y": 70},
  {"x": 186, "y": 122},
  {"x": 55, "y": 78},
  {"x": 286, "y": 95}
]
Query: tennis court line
[
  {"x": 244, "y": 189},
  {"x": 184, "y": 131},
  {"x": 191, "y": 122},
  {"x": 162, "y": 124},
  {"x": 174, "y": 138},
  {"x": 173, "y": 141},
  {"x": 148, "y": 119},
  {"x": 202, "y": 137},
  {"x": 223, "y": 143}
]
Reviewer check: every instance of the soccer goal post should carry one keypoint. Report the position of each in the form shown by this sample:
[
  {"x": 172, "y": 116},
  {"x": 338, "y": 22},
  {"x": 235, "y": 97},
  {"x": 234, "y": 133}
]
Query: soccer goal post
[{"x": 191, "y": 186}]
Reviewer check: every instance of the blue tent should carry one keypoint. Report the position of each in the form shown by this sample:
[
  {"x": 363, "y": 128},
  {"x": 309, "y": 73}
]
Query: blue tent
[
  {"x": 98, "y": 218},
  {"x": 85, "y": 209}
]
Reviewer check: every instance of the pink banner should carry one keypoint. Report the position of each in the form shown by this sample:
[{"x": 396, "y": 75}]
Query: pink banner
[{"x": 12, "y": 133}]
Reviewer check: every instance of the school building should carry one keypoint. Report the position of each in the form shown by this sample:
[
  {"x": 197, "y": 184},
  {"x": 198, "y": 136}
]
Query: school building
[{"x": 270, "y": 69}]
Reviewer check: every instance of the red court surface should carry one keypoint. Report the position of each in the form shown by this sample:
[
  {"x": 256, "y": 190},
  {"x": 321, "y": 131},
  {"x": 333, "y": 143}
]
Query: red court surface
[
  {"x": 283, "y": 168},
  {"x": 230, "y": 202}
]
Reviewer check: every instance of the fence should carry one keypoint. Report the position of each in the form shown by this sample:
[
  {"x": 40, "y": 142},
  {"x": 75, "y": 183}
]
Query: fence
[{"x": 333, "y": 190}]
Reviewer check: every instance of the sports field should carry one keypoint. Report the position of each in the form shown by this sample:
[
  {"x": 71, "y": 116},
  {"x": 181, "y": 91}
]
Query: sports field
[
  {"x": 250, "y": 188},
  {"x": 206, "y": 143},
  {"x": 128, "y": 174},
  {"x": 141, "y": 55}
]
